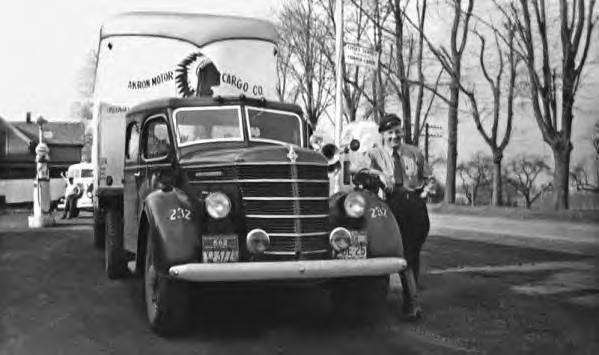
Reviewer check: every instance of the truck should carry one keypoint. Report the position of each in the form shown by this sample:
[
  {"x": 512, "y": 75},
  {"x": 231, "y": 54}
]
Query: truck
[{"x": 205, "y": 178}]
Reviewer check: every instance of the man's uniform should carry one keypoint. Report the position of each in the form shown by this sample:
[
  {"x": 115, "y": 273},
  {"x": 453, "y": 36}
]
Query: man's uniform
[
  {"x": 404, "y": 173},
  {"x": 410, "y": 174}
]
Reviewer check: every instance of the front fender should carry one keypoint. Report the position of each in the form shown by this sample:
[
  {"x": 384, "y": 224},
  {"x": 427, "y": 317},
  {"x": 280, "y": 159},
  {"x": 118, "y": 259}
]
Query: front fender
[
  {"x": 174, "y": 221},
  {"x": 384, "y": 237}
]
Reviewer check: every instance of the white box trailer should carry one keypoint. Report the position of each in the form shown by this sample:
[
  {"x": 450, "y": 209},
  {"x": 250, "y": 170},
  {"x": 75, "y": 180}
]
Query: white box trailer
[{"x": 148, "y": 55}]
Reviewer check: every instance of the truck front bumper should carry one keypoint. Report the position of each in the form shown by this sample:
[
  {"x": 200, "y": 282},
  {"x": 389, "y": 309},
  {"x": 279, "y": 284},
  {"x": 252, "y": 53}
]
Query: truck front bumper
[{"x": 287, "y": 270}]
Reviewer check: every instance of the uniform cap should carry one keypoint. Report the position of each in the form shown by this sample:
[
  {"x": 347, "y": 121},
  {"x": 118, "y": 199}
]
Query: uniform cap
[{"x": 389, "y": 121}]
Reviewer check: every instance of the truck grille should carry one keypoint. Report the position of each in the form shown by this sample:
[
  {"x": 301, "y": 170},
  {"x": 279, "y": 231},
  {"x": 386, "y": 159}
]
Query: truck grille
[{"x": 290, "y": 202}]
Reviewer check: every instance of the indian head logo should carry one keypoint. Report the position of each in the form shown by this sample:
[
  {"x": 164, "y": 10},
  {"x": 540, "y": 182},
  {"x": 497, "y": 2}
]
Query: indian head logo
[{"x": 196, "y": 75}]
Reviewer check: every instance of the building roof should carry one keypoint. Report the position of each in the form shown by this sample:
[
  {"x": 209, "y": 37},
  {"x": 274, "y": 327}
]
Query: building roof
[
  {"x": 198, "y": 29},
  {"x": 61, "y": 133}
]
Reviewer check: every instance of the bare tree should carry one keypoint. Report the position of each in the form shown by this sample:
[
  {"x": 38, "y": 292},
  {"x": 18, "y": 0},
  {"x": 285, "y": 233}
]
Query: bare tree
[
  {"x": 576, "y": 23},
  {"x": 85, "y": 81},
  {"x": 287, "y": 90},
  {"x": 473, "y": 174},
  {"x": 403, "y": 68},
  {"x": 354, "y": 78},
  {"x": 451, "y": 60},
  {"x": 522, "y": 173},
  {"x": 495, "y": 143},
  {"x": 302, "y": 38},
  {"x": 580, "y": 179}
]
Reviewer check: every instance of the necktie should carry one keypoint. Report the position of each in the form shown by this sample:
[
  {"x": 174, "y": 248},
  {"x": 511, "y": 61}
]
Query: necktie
[{"x": 397, "y": 168}]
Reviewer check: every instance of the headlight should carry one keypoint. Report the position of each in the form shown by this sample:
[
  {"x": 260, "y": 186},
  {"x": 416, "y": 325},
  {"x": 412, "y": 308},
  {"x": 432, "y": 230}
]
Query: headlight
[
  {"x": 354, "y": 204},
  {"x": 218, "y": 205},
  {"x": 340, "y": 239},
  {"x": 257, "y": 241}
]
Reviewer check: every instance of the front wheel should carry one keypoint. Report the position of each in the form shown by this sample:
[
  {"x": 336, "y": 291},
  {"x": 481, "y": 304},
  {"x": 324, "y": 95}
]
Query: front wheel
[
  {"x": 114, "y": 254},
  {"x": 167, "y": 300}
]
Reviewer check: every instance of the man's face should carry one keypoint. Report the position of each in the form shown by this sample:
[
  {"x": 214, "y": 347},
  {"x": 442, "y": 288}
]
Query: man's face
[{"x": 393, "y": 136}]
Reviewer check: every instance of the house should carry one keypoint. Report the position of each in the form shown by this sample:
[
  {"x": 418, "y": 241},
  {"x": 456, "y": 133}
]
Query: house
[{"x": 17, "y": 156}]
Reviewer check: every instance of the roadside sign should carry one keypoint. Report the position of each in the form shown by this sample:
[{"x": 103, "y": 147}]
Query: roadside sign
[{"x": 362, "y": 56}]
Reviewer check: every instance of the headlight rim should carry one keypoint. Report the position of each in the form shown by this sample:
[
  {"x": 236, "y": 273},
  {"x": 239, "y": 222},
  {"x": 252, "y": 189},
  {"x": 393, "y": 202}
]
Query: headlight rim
[
  {"x": 210, "y": 209},
  {"x": 249, "y": 237},
  {"x": 353, "y": 196},
  {"x": 333, "y": 245}
]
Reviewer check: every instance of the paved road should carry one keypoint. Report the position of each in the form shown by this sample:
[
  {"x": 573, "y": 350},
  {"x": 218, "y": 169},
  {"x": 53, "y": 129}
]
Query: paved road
[
  {"x": 577, "y": 238},
  {"x": 478, "y": 298}
]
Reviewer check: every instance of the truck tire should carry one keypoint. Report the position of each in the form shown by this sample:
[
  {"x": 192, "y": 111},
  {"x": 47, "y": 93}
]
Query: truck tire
[
  {"x": 359, "y": 298},
  {"x": 167, "y": 301},
  {"x": 115, "y": 261},
  {"x": 99, "y": 234}
]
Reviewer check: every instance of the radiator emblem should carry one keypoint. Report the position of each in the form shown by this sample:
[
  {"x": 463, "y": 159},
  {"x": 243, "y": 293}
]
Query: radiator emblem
[{"x": 292, "y": 155}]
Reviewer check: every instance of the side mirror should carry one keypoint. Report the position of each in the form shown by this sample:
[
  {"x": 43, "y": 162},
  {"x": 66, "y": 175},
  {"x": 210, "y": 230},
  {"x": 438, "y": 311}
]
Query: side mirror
[{"x": 317, "y": 141}]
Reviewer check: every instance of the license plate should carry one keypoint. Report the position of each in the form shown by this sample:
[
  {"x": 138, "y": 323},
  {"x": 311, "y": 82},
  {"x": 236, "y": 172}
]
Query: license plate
[
  {"x": 220, "y": 248},
  {"x": 357, "y": 248}
]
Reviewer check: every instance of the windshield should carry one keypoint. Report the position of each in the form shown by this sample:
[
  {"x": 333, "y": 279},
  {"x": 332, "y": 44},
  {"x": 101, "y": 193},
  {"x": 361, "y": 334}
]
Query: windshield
[
  {"x": 274, "y": 126},
  {"x": 204, "y": 124}
]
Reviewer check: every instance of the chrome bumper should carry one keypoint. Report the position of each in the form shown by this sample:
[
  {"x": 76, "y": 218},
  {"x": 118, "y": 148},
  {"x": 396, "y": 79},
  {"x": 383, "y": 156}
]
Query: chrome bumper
[{"x": 287, "y": 270}]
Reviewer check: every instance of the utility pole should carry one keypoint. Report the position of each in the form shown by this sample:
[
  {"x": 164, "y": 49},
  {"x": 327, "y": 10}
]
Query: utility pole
[
  {"x": 426, "y": 142},
  {"x": 338, "y": 71}
]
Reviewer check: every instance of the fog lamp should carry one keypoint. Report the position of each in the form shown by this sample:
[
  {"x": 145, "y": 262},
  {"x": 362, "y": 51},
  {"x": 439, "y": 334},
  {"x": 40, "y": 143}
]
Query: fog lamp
[
  {"x": 257, "y": 241},
  {"x": 340, "y": 239},
  {"x": 218, "y": 205},
  {"x": 354, "y": 204}
]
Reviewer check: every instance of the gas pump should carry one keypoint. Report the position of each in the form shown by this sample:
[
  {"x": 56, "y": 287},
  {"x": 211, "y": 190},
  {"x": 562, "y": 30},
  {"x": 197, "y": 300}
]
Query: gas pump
[{"x": 41, "y": 185}]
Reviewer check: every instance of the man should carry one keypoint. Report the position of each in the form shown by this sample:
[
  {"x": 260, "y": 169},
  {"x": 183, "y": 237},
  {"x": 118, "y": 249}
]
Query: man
[
  {"x": 406, "y": 177},
  {"x": 70, "y": 195}
]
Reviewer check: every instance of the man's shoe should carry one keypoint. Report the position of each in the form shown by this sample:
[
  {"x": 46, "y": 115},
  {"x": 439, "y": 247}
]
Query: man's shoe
[{"x": 413, "y": 315}]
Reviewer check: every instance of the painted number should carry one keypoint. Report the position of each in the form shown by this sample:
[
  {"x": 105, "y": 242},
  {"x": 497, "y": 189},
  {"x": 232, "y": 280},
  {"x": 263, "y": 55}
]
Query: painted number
[
  {"x": 180, "y": 213},
  {"x": 378, "y": 211}
]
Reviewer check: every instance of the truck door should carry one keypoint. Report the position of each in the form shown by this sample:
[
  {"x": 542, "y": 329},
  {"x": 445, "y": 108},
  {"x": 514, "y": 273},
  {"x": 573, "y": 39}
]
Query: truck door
[
  {"x": 132, "y": 179},
  {"x": 156, "y": 153}
]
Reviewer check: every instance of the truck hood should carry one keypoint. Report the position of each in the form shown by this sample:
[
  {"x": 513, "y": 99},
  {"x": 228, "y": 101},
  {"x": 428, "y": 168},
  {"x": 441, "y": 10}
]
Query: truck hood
[{"x": 270, "y": 153}]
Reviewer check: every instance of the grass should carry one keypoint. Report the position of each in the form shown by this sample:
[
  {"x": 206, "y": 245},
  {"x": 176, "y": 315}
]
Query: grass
[{"x": 585, "y": 216}]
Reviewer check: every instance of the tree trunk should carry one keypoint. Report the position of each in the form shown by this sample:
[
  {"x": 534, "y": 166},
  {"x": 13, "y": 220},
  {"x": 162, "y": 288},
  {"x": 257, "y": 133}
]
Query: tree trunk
[
  {"x": 452, "y": 142},
  {"x": 561, "y": 176},
  {"x": 496, "y": 199}
]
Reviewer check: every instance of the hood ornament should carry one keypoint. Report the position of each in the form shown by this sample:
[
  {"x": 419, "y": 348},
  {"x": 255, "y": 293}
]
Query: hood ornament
[{"x": 292, "y": 155}]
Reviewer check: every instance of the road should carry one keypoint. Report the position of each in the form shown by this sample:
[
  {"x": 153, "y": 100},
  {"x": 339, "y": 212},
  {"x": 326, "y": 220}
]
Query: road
[{"x": 478, "y": 297}]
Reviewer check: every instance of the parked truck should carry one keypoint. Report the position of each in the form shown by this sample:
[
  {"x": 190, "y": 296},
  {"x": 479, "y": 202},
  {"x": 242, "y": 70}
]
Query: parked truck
[{"x": 203, "y": 177}]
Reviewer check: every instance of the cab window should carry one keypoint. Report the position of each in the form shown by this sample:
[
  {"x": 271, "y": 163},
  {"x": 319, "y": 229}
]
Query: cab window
[
  {"x": 132, "y": 142},
  {"x": 156, "y": 139}
]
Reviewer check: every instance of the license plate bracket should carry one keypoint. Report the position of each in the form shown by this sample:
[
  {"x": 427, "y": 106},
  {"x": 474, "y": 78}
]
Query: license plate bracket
[{"x": 222, "y": 248}]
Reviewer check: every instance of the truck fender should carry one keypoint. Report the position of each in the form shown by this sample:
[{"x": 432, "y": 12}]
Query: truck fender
[
  {"x": 384, "y": 237},
  {"x": 174, "y": 222}
]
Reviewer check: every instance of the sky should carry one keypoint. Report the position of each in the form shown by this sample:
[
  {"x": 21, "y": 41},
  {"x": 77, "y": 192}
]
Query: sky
[{"x": 43, "y": 45}]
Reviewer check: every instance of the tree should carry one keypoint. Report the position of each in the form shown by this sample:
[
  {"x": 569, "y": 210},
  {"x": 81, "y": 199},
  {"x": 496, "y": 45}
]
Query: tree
[
  {"x": 354, "y": 78},
  {"x": 554, "y": 114},
  {"x": 86, "y": 78},
  {"x": 522, "y": 172},
  {"x": 302, "y": 38},
  {"x": 473, "y": 174},
  {"x": 451, "y": 60},
  {"x": 496, "y": 144},
  {"x": 580, "y": 179}
]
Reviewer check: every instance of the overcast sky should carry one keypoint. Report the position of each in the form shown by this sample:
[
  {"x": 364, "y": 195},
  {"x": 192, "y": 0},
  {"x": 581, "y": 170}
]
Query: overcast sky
[{"x": 43, "y": 44}]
